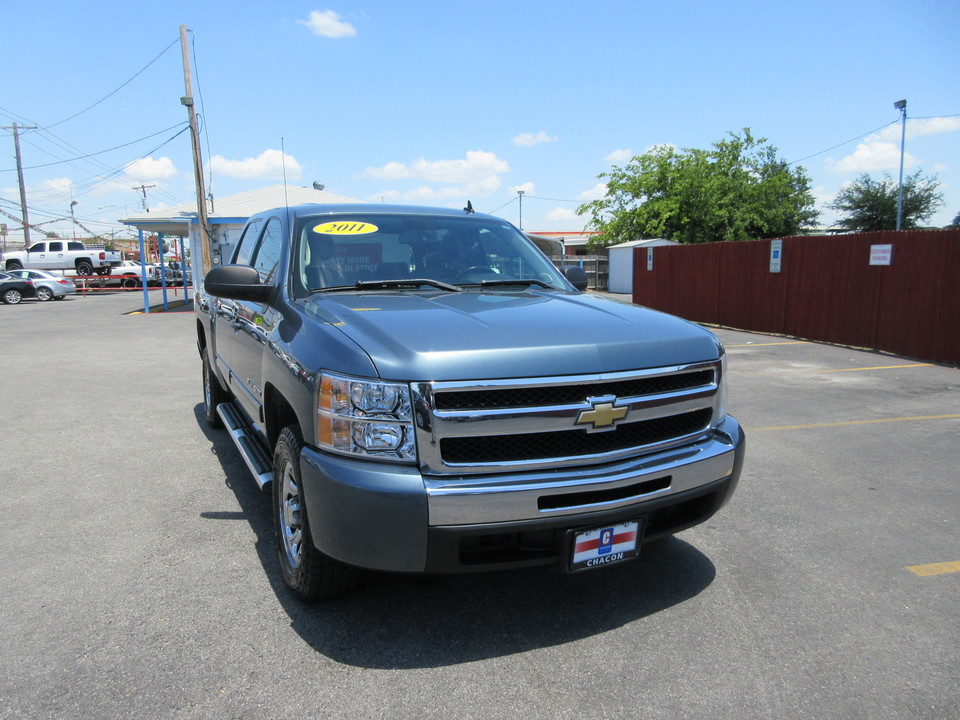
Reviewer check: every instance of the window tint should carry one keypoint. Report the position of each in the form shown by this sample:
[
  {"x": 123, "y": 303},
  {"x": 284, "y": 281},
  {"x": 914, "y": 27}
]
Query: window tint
[
  {"x": 268, "y": 254},
  {"x": 247, "y": 242},
  {"x": 75, "y": 246},
  {"x": 56, "y": 247}
]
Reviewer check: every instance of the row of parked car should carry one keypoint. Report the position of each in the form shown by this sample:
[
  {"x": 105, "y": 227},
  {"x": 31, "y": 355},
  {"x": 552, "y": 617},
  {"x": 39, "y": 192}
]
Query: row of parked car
[{"x": 16, "y": 285}]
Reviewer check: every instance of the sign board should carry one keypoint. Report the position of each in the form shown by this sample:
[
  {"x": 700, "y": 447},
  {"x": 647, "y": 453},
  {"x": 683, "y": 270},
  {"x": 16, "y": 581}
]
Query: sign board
[
  {"x": 649, "y": 259},
  {"x": 881, "y": 254},
  {"x": 776, "y": 254}
]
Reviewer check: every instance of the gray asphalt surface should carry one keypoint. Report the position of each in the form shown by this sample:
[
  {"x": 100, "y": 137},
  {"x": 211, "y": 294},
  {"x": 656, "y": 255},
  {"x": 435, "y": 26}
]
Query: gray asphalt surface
[{"x": 139, "y": 581}]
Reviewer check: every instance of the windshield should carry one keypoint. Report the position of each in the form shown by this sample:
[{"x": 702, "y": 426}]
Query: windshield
[{"x": 384, "y": 251}]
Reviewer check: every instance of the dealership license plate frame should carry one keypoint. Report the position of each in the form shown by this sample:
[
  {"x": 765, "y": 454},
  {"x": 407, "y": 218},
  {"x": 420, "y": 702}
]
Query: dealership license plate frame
[{"x": 606, "y": 552}]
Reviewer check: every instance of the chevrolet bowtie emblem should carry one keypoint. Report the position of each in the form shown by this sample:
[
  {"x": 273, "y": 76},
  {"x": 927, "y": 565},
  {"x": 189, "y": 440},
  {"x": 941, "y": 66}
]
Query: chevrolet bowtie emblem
[{"x": 601, "y": 415}]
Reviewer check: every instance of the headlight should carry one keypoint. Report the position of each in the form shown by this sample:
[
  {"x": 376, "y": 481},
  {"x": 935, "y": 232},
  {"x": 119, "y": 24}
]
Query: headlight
[{"x": 365, "y": 417}]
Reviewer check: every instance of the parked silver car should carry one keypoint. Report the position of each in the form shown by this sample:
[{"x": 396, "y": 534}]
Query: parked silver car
[{"x": 48, "y": 285}]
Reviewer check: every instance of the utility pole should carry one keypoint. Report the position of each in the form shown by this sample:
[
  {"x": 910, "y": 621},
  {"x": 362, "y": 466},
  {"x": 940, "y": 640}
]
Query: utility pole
[
  {"x": 143, "y": 190},
  {"x": 187, "y": 101},
  {"x": 520, "y": 195},
  {"x": 23, "y": 190}
]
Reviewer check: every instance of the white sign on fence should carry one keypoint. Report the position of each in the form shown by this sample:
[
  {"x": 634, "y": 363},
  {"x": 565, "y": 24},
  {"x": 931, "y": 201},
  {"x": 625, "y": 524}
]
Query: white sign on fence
[
  {"x": 881, "y": 254},
  {"x": 776, "y": 254}
]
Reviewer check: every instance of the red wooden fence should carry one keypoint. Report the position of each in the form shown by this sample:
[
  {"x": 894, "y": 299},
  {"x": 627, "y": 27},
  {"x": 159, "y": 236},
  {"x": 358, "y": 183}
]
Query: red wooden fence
[{"x": 826, "y": 289}]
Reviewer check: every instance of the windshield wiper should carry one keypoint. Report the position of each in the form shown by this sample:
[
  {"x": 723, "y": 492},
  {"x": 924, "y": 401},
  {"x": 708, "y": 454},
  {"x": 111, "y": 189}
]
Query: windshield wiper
[
  {"x": 515, "y": 281},
  {"x": 412, "y": 283},
  {"x": 408, "y": 283}
]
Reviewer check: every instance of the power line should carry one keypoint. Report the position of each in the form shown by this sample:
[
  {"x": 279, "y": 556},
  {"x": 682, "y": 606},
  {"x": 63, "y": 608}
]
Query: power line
[
  {"x": 90, "y": 155},
  {"x": 110, "y": 94}
]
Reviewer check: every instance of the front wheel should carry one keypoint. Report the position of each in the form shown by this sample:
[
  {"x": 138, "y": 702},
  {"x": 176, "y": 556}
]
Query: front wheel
[
  {"x": 84, "y": 268},
  {"x": 44, "y": 294},
  {"x": 309, "y": 573}
]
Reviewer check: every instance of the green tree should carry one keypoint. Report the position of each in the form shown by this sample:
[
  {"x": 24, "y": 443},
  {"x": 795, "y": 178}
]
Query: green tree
[
  {"x": 867, "y": 204},
  {"x": 955, "y": 223},
  {"x": 737, "y": 190}
]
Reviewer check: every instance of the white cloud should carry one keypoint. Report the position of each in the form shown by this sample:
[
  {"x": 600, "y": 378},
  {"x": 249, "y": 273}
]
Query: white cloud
[
  {"x": 268, "y": 165},
  {"x": 595, "y": 193},
  {"x": 870, "y": 156},
  {"x": 529, "y": 139},
  {"x": 327, "y": 23},
  {"x": 150, "y": 169},
  {"x": 476, "y": 175},
  {"x": 618, "y": 157},
  {"x": 564, "y": 215},
  {"x": 527, "y": 188},
  {"x": 918, "y": 128},
  {"x": 881, "y": 150}
]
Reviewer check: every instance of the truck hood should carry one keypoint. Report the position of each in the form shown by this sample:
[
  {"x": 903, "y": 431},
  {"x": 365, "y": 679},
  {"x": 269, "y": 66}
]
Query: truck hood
[{"x": 475, "y": 335}]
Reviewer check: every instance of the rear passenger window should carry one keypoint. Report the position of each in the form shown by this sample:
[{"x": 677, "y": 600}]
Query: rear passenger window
[
  {"x": 248, "y": 241},
  {"x": 268, "y": 255}
]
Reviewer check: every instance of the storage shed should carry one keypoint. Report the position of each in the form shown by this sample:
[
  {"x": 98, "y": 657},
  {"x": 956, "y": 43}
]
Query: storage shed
[{"x": 621, "y": 263}]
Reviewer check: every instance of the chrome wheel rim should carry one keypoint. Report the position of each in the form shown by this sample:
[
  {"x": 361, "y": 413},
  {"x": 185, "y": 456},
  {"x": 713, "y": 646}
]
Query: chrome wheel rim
[{"x": 291, "y": 530}]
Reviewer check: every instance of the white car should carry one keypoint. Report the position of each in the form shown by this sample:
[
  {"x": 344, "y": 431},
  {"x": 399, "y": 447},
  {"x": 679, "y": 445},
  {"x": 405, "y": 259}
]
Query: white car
[{"x": 48, "y": 285}]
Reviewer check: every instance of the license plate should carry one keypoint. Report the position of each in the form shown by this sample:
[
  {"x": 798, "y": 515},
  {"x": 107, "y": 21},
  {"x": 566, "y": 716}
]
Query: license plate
[{"x": 605, "y": 545}]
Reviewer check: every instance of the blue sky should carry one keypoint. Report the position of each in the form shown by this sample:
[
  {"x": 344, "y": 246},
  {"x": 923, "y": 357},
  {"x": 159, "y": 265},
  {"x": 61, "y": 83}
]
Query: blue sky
[{"x": 440, "y": 102}]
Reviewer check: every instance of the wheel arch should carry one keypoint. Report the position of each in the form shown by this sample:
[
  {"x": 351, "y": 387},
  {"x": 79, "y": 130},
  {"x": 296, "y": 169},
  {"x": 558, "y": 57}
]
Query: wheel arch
[{"x": 278, "y": 414}]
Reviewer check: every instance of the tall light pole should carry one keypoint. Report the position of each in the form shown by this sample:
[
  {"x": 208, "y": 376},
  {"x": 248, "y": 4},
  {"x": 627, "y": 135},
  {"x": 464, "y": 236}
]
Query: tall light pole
[
  {"x": 73, "y": 218},
  {"x": 901, "y": 105},
  {"x": 520, "y": 194}
]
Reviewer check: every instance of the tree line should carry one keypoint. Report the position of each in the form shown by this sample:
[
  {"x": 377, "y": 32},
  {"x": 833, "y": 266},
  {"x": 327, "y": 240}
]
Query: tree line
[{"x": 740, "y": 189}]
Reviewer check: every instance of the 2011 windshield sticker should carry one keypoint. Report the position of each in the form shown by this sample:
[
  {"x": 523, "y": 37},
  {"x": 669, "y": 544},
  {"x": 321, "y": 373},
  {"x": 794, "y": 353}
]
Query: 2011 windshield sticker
[{"x": 346, "y": 228}]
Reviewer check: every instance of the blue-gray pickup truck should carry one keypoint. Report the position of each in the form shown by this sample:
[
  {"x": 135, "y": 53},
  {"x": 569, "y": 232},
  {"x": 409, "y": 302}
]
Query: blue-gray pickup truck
[{"x": 421, "y": 390}]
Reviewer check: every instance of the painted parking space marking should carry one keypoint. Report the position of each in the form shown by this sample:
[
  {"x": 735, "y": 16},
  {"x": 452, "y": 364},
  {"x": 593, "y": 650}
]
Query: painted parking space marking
[
  {"x": 753, "y": 344},
  {"x": 849, "y": 423},
  {"x": 840, "y": 370},
  {"x": 943, "y": 568}
]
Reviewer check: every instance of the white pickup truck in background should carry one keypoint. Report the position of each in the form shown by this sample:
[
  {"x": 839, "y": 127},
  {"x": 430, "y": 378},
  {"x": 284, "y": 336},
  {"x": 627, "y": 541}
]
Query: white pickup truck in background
[{"x": 63, "y": 255}]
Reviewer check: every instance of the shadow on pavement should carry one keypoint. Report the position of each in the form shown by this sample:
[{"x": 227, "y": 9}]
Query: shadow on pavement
[{"x": 409, "y": 621}]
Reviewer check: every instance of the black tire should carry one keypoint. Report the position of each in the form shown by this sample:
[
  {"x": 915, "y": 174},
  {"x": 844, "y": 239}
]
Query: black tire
[
  {"x": 213, "y": 395},
  {"x": 309, "y": 573},
  {"x": 44, "y": 294},
  {"x": 129, "y": 281},
  {"x": 84, "y": 268},
  {"x": 12, "y": 296},
  {"x": 14, "y": 265}
]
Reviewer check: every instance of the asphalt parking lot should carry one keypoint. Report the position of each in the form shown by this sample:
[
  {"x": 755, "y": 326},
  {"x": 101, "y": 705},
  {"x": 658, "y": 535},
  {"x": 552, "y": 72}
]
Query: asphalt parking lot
[{"x": 139, "y": 578}]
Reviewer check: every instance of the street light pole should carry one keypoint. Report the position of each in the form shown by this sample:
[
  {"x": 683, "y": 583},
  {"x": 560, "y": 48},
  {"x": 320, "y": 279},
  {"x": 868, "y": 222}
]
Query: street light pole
[
  {"x": 901, "y": 105},
  {"x": 73, "y": 218},
  {"x": 520, "y": 193}
]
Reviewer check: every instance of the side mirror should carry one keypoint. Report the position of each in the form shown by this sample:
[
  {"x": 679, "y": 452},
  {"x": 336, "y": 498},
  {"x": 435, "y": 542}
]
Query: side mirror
[
  {"x": 237, "y": 282},
  {"x": 575, "y": 275}
]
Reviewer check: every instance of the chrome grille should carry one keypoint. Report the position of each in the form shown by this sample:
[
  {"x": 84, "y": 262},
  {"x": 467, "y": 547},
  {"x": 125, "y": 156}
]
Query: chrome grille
[{"x": 503, "y": 425}]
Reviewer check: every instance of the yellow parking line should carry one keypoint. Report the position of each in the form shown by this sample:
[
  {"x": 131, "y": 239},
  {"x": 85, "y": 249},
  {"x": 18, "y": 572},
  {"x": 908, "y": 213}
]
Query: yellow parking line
[
  {"x": 878, "y": 367},
  {"x": 934, "y": 568},
  {"x": 813, "y": 426},
  {"x": 797, "y": 342}
]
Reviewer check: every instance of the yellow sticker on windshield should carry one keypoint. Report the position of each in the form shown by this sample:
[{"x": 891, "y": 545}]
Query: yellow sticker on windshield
[{"x": 346, "y": 228}]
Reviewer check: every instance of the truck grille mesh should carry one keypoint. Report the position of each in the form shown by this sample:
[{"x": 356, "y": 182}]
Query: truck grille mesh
[
  {"x": 564, "y": 394},
  {"x": 571, "y": 443}
]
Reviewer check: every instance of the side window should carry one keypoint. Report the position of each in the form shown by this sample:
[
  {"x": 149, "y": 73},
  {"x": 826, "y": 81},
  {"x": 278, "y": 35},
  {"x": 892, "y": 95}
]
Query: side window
[
  {"x": 268, "y": 255},
  {"x": 56, "y": 247},
  {"x": 39, "y": 247},
  {"x": 75, "y": 246},
  {"x": 248, "y": 242}
]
